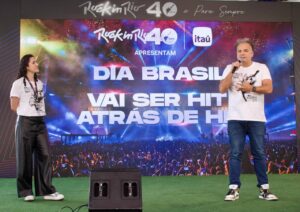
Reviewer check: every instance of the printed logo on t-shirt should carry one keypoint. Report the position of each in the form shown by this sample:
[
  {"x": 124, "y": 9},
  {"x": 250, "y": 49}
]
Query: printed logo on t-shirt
[
  {"x": 239, "y": 78},
  {"x": 35, "y": 100}
]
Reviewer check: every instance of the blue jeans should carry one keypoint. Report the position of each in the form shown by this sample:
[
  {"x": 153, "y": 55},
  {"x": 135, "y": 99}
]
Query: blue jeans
[{"x": 237, "y": 131}]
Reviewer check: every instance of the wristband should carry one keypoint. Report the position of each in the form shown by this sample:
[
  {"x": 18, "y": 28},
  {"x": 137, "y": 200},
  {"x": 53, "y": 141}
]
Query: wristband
[{"x": 253, "y": 89}]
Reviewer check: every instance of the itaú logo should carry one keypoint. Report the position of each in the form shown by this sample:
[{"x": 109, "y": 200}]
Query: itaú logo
[{"x": 202, "y": 36}]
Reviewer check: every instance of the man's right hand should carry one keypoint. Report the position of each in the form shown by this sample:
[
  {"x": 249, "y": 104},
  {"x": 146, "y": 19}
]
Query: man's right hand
[{"x": 235, "y": 66}]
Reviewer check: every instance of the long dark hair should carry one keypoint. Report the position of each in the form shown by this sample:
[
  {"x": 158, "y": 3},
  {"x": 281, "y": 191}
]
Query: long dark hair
[{"x": 23, "y": 67}]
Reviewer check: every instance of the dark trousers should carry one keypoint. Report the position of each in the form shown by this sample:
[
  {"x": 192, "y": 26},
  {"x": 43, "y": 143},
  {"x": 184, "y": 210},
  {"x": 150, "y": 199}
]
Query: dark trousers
[
  {"x": 238, "y": 130},
  {"x": 32, "y": 153}
]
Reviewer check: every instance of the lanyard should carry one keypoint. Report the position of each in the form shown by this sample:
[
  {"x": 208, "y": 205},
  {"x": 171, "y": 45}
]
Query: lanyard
[{"x": 35, "y": 91}]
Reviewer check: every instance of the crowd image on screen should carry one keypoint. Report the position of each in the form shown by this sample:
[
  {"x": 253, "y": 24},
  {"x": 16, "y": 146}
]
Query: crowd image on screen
[{"x": 162, "y": 158}]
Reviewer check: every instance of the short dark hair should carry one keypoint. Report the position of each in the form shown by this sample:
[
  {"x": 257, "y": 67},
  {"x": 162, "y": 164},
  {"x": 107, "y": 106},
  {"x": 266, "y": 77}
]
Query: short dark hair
[{"x": 244, "y": 40}]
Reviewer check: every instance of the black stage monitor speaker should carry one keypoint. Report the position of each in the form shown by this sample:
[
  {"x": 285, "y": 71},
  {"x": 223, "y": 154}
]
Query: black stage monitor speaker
[{"x": 115, "y": 190}]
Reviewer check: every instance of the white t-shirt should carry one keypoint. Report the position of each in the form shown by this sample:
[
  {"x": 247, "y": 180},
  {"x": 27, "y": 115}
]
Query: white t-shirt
[
  {"x": 28, "y": 105},
  {"x": 247, "y": 106}
]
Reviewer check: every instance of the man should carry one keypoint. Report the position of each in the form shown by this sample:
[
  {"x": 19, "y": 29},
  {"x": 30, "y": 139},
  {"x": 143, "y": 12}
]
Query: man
[{"x": 246, "y": 82}]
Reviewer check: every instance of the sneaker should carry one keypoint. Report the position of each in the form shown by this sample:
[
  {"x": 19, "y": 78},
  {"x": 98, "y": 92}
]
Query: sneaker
[
  {"x": 233, "y": 193},
  {"x": 265, "y": 194},
  {"x": 29, "y": 198},
  {"x": 55, "y": 196}
]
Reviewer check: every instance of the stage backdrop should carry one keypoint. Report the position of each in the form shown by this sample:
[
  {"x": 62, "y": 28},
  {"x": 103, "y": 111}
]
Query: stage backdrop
[
  {"x": 143, "y": 82},
  {"x": 152, "y": 80},
  {"x": 134, "y": 83}
]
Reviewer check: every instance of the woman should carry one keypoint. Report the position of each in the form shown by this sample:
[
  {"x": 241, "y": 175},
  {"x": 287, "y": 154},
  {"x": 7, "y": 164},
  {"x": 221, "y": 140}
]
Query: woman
[{"x": 32, "y": 150}]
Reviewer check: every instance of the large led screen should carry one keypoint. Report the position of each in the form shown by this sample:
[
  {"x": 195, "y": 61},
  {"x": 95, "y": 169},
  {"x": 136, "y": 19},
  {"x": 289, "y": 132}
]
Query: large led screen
[{"x": 153, "y": 85}]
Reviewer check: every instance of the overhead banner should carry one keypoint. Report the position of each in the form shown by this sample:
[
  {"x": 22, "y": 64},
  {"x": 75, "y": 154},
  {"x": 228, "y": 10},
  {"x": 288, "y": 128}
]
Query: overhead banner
[
  {"x": 151, "y": 80},
  {"x": 158, "y": 10}
]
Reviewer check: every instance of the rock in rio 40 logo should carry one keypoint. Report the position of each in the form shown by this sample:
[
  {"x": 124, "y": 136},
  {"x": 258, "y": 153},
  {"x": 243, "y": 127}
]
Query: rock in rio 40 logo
[
  {"x": 167, "y": 36},
  {"x": 107, "y": 8}
]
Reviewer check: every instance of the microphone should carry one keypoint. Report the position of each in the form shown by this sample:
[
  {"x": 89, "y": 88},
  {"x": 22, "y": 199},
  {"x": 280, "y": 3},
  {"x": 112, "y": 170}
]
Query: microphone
[{"x": 235, "y": 68}]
